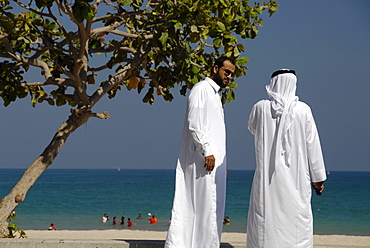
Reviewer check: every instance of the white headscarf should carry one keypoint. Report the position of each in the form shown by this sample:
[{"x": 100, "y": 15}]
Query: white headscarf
[{"x": 282, "y": 91}]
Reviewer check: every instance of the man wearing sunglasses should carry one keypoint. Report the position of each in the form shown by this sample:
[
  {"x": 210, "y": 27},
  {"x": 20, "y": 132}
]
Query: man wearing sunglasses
[{"x": 199, "y": 202}]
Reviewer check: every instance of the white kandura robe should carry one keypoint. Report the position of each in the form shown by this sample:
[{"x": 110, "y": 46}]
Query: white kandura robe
[
  {"x": 199, "y": 202},
  {"x": 280, "y": 212}
]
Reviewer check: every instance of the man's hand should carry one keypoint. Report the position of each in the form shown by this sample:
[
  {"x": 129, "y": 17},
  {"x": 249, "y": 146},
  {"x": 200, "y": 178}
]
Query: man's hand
[
  {"x": 318, "y": 187},
  {"x": 209, "y": 163}
]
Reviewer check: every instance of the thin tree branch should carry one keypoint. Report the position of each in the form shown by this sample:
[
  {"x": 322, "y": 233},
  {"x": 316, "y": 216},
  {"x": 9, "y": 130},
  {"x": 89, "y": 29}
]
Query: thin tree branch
[
  {"x": 68, "y": 38},
  {"x": 51, "y": 81},
  {"x": 112, "y": 49},
  {"x": 102, "y": 116},
  {"x": 33, "y": 62}
]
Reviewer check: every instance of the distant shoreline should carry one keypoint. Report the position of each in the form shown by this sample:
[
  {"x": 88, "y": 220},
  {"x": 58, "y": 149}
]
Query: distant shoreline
[
  {"x": 150, "y": 169},
  {"x": 334, "y": 240},
  {"x": 144, "y": 230}
]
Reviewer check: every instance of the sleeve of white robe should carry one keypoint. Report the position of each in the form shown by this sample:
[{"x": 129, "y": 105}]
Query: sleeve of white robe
[
  {"x": 251, "y": 121},
  {"x": 314, "y": 152},
  {"x": 255, "y": 117},
  {"x": 198, "y": 120}
]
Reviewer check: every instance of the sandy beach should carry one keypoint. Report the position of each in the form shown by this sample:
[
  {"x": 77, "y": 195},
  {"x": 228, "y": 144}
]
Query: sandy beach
[{"x": 319, "y": 240}]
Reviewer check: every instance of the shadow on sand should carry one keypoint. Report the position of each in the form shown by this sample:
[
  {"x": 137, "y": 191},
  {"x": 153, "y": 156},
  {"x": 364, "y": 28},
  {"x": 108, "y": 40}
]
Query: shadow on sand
[{"x": 158, "y": 244}]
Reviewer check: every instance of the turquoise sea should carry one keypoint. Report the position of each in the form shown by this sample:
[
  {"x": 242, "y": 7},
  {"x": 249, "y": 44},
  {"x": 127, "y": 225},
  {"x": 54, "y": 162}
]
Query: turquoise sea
[{"x": 77, "y": 199}]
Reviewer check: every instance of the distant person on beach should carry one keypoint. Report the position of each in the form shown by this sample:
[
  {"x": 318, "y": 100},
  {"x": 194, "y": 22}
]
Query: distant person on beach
[
  {"x": 52, "y": 227},
  {"x": 288, "y": 159},
  {"x": 105, "y": 218},
  {"x": 139, "y": 217},
  {"x": 199, "y": 202},
  {"x": 114, "y": 221},
  {"x": 226, "y": 221},
  {"x": 129, "y": 222},
  {"x": 152, "y": 220},
  {"x": 122, "y": 220}
]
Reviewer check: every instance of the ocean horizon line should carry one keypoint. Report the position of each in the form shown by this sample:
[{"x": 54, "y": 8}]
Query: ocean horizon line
[{"x": 151, "y": 169}]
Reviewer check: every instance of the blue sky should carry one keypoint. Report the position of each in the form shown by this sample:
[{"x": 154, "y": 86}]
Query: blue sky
[{"x": 326, "y": 42}]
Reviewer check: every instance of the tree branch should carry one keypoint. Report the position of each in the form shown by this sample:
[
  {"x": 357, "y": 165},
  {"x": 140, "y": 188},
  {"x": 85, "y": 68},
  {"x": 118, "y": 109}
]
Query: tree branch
[
  {"x": 112, "y": 49},
  {"x": 113, "y": 29},
  {"x": 119, "y": 77},
  {"x": 33, "y": 62},
  {"x": 102, "y": 116},
  {"x": 68, "y": 39},
  {"x": 32, "y": 10},
  {"x": 113, "y": 26},
  {"x": 51, "y": 81}
]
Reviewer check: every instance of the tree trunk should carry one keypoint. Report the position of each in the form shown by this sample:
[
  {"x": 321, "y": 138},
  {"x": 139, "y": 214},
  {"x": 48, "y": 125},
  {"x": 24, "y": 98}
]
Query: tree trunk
[{"x": 18, "y": 193}]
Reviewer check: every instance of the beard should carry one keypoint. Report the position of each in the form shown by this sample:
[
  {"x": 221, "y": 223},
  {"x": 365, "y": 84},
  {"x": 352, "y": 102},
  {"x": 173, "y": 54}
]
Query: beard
[{"x": 219, "y": 81}]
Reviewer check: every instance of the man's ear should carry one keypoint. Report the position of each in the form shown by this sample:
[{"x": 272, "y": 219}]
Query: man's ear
[{"x": 214, "y": 69}]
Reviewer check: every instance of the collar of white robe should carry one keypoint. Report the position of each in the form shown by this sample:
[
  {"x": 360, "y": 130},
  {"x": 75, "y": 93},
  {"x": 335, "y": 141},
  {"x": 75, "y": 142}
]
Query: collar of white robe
[{"x": 281, "y": 91}]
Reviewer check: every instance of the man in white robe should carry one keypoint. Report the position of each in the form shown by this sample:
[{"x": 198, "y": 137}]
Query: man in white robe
[
  {"x": 289, "y": 164},
  {"x": 199, "y": 201}
]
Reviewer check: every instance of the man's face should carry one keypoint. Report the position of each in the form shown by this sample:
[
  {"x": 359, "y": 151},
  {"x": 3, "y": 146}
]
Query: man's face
[{"x": 222, "y": 75}]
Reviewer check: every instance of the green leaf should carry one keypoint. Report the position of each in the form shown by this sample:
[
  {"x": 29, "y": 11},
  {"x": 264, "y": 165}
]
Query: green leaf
[
  {"x": 149, "y": 96},
  {"x": 241, "y": 47},
  {"x": 223, "y": 3},
  {"x": 168, "y": 96},
  {"x": 242, "y": 61},
  {"x": 163, "y": 38},
  {"x": 124, "y": 3},
  {"x": 217, "y": 42},
  {"x": 88, "y": 12},
  {"x": 179, "y": 25},
  {"x": 33, "y": 102},
  {"x": 183, "y": 90},
  {"x": 254, "y": 32},
  {"x": 236, "y": 51},
  {"x": 50, "y": 101},
  {"x": 77, "y": 12},
  {"x": 194, "y": 69},
  {"x": 194, "y": 29},
  {"x": 221, "y": 25}
]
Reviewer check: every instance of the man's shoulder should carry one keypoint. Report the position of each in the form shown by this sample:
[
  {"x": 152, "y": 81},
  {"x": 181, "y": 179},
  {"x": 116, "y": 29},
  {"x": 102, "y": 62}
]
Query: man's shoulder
[
  {"x": 201, "y": 86},
  {"x": 303, "y": 105},
  {"x": 262, "y": 103},
  {"x": 203, "y": 83},
  {"x": 303, "y": 109}
]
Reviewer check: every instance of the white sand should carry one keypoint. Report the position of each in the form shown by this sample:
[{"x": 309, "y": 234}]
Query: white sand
[{"x": 334, "y": 240}]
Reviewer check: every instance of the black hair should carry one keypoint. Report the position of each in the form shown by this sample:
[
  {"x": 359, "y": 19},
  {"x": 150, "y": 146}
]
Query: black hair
[
  {"x": 220, "y": 61},
  {"x": 282, "y": 71}
]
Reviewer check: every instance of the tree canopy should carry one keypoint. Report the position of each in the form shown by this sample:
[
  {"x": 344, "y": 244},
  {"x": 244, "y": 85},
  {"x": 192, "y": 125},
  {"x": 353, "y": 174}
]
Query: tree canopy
[{"x": 144, "y": 45}]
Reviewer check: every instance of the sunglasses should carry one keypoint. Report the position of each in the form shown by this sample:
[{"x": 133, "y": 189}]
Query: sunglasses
[{"x": 228, "y": 72}]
